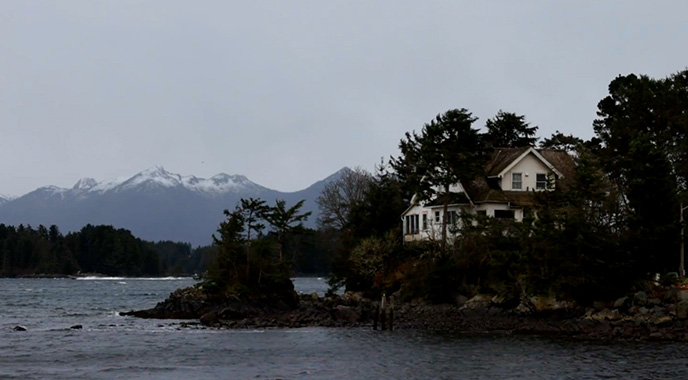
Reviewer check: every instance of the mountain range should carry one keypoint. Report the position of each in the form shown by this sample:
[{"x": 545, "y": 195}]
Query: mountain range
[{"x": 154, "y": 204}]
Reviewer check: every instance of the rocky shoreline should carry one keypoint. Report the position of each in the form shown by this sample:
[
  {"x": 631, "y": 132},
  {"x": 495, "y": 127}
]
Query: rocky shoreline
[{"x": 661, "y": 315}]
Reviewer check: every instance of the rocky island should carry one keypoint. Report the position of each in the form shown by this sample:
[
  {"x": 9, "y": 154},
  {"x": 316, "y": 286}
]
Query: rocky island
[{"x": 660, "y": 315}]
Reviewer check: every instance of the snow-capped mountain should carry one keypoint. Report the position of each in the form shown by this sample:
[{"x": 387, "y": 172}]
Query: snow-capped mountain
[
  {"x": 154, "y": 204},
  {"x": 158, "y": 177}
]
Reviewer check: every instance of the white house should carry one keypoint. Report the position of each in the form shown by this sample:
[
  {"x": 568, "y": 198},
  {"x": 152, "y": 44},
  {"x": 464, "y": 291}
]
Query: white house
[{"x": 512, "y": 175}]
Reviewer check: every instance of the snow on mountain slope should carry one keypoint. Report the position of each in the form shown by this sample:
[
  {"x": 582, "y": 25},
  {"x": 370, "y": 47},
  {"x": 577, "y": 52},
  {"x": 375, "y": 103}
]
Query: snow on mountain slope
[
  {"x": 154, "y": 176},
  {"x": 107, "y": 185},
  {"x": 85, "y": 184},
  {"x": 157, "y": 176},
  {"x": 51, "y": 190},
  {"x": 218, "y": 184}
]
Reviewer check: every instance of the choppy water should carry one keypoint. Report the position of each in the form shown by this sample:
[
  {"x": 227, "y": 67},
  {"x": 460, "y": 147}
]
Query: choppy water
[{"x": 114, "y": 347}]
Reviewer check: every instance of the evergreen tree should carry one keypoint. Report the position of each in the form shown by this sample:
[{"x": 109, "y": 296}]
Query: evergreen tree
[
  {"x": 560, "y": 141},
  {"x": 285, "y": 220},
  {"x": 253, "y": 211},
  {"x": 229, "y": 267},
  {"x": 446, "y": 151},
  {"x": 507, "y": 129},
  {"x": 643, "y": 131}
]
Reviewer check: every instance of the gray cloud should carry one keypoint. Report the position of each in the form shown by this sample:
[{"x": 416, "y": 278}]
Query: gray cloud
[{"x": 288, "y": 92}]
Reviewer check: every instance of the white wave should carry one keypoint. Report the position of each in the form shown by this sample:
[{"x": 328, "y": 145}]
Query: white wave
[
  {"x": 254, "y": 331},
  {"x": 100, "y": 278}
]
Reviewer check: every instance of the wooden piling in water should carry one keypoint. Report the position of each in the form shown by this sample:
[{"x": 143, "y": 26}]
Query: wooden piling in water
[
  {"x": 391, "y": 314},
  {"x": 384, "y": 314}
]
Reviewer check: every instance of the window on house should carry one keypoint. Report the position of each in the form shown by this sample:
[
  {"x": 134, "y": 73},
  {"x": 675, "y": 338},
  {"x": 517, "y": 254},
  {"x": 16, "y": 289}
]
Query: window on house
[
  {"x": 437, "y": 217},
  {"x": 504, "y": 214},
  {"x": 411, "y": 224},
  {"x": 425, "y": 221},
  {"x": 541, "y": 181},
  {"x": 516, "y": 181},
  {"x": 452, "y": 218}
]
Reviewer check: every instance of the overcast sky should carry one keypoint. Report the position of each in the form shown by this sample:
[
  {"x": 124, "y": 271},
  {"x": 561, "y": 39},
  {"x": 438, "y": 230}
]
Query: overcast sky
[{"x": 288, "y": 92}]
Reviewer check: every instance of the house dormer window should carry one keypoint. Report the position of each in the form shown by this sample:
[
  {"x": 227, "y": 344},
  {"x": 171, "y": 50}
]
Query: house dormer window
[
  {"x": 541, "y": 181},
  {"x": 516, "y": 181}
]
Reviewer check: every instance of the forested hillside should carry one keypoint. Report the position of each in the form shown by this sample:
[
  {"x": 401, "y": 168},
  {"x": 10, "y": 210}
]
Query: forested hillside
[{"x": 106, "y": 250}]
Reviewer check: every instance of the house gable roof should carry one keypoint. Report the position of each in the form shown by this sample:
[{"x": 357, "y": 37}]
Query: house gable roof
[
  {"x": 505, "y": 166},
  {"x": 452, "y": 198},
  {"x": 501, "y": 158},
  {"x": 485, "y": 189}
]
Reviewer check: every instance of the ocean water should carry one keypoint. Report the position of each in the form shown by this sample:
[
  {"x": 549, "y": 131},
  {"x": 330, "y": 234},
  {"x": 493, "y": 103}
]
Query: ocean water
[{"x": 109, "y": 346}]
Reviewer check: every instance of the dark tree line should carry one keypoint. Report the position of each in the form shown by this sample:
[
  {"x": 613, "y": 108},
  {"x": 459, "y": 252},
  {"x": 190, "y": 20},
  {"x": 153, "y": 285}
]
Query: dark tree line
[{"x": 94, "y": 249}]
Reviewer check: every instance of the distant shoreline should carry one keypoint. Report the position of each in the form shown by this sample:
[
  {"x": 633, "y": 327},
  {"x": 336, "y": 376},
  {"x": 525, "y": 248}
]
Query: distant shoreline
[
  {"x": 91, "y": 276},
  {"x": 38, "y": 276}
]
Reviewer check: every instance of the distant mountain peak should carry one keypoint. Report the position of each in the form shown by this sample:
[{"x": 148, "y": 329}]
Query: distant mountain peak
[
  {"x": 85, "y": 184},
  {"x": 340, "y": 172},
  {"x": 336, "y": 175},
  {"x": 156, "y": 170},
  {"x": 153, "y": 176}
]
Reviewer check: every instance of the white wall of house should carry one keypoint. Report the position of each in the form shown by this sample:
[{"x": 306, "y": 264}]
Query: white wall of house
[
  {"x": 412, "y": 221},
  {"x": 425, "y": 223},
  {"x": 490, "y": 208},
  {"x": 528, "y": 168}
]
